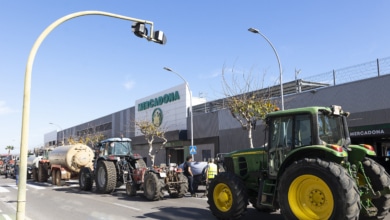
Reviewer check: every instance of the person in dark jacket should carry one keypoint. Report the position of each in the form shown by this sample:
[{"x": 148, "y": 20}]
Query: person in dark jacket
[
  {"x": 190, "y": 176},
  {"x": 16, "y": 172}
]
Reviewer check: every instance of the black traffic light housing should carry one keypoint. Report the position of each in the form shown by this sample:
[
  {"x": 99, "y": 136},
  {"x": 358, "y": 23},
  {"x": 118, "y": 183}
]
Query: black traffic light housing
[
  {"x": 160, "y": 37},
  {"x": 139, "y": 30}
]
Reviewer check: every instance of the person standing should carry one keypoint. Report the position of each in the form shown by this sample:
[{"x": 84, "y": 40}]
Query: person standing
[
  {"x": 16, "y": 172},
  {"x": 7, "y": 169},
  {"x": 190, "y": 176},
  {"x": 212, "y": 170}
]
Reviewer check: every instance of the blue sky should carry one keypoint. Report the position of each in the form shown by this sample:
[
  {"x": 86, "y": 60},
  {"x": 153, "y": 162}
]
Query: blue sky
[{"x": 92, "y": 66}]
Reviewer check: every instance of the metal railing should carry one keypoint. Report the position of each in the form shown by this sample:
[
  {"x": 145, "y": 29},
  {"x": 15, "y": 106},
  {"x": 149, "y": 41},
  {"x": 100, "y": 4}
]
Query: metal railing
[{"x": 362, "y": 71}]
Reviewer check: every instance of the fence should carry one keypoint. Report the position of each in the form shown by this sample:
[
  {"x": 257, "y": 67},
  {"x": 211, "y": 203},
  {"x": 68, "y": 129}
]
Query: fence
[
  {"x": 367, "y": 70},
  {"x": 353, "y": 73}
]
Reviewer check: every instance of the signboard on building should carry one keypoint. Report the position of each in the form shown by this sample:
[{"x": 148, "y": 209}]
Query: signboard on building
[
  {"x": 370, "y": 130},
  {"x": 166, "y": 109}
]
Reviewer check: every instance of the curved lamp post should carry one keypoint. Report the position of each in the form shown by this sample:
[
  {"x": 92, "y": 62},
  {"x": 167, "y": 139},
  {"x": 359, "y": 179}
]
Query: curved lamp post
[
  {"x": 63, "y": 136},
  {"x": 139, "y": 29},
  {"x": 253, "y": 30},
  {"x": 192, "y": 118}
]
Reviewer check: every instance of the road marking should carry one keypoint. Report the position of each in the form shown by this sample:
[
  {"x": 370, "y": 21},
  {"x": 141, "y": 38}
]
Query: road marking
[
  {"x": 129, "y": 207},
  {"x": 6, "y": 217},
  {"x": 2, "y": 190},
  {"x": 35, "y": 186}
]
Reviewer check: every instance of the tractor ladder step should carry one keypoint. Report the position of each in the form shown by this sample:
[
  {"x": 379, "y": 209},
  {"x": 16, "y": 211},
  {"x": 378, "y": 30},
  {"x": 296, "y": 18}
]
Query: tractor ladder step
[{"x": 266, "y": 192}]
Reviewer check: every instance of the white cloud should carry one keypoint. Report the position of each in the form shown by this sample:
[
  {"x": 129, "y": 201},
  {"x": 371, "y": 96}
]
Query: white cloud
[
  {"x": 129, "y": 84},
  {"x": 4, "y": 109}
]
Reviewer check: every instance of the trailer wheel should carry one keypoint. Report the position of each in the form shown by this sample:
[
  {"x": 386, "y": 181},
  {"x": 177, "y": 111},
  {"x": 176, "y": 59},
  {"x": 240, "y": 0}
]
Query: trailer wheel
[
  {"x": 85, "y": 179},
  {"x": 181, "y": 188},
  {"x": 105, "y": 177},
  {"x": 316, "y": 189},
  {"x": 42, "y": 172},
  {"x": 35, "y": 174},
  {"x": 53, "y": 178},
  {"x": 152, "y": 187},
  {"x": 57, "y": 177},
  {"x": 380, "y": 179},
  {"x": 131, "y": 189},
  {"x": 227, "y": 196}
]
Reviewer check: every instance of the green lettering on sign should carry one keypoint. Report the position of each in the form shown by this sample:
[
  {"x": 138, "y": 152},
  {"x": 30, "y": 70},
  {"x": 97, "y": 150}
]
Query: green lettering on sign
[{"x": 164, "y": 99}]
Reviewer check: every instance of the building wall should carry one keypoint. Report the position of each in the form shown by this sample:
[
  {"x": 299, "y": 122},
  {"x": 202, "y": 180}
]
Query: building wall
[{"x": 218, "y": 132}]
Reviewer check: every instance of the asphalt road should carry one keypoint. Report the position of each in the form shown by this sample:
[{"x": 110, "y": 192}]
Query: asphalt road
[{"x": 48, "y": 202}]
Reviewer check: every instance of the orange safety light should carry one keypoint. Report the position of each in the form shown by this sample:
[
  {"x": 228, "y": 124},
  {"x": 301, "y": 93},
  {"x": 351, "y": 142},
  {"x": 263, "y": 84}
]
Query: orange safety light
[
  {"x": 367, "y": 146},
  {"x": 335, "y": 147}
]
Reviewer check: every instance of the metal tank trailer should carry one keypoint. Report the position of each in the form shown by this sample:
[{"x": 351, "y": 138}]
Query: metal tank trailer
[{"x": 65, "y": 163}]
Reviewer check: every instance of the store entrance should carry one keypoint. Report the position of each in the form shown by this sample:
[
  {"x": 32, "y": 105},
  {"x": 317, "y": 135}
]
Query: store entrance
[{"x": 175, "y": 155}]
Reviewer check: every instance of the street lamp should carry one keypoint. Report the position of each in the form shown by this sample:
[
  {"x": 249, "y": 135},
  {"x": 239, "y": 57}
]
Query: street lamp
[
  {"x": 192, "y": 118},
  {"x": 253, "y": 30},
  {"x": 63, "y": 135},
  {"x": 139, "y": 29}
]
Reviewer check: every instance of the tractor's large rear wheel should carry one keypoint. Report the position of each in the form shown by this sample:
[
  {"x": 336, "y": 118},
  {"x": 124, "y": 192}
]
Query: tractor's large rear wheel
[
  {"x": 316, "y": 189},
  {"x": 85, "y": 179},
  {"x": 153, "y": 187},
  {"x": 227, "y": 196},
  {"x": 380, "y": 179},
  {"x": 105, "y": 177}
]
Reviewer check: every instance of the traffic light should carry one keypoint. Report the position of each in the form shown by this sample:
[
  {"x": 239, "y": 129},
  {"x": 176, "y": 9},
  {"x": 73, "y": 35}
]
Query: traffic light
[
  {"x": 139, "y": 30},
  {"x": 160, "y": 37}
]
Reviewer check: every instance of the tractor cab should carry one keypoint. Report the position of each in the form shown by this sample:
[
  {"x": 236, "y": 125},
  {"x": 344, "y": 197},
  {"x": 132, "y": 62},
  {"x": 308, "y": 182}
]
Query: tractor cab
[
  {"x": 115, "y": 147},
  {"x": 291, "y": 130}
]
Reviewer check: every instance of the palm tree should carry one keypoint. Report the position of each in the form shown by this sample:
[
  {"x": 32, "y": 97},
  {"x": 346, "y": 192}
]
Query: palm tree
[{"x": 9, "y": 148}]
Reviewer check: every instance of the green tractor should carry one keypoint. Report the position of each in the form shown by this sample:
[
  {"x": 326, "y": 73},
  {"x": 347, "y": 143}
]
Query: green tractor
[{"x": 308, "y": 169}]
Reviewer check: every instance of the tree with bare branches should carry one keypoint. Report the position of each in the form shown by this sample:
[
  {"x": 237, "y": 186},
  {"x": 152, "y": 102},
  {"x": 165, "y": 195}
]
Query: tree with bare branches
[
  {"x": 151, "y": 131},
  {"x": 246, "y": 102}
]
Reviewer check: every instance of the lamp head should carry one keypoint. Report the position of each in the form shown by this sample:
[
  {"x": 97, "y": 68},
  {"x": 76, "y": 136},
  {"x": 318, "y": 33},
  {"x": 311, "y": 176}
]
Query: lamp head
[{"x": 254, "y": 30}]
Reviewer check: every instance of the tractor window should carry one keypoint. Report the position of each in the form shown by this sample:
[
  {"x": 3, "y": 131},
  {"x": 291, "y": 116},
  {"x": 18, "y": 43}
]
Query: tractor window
[
  {"x": 281, "y": 131},
  {"x": 281, "y": 141},
  {"x": 303, "y": 135},
  {"x": 123, "y": 148},
  {"x": 330, "y": 129}
]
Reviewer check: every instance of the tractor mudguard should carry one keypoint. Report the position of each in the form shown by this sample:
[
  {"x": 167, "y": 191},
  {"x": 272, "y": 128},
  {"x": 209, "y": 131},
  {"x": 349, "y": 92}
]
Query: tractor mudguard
[
  {"x": 358, "y": 152},
  {"x": 332, "y": 154}
]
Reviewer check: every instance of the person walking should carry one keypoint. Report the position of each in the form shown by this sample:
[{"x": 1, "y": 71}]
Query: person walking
[
  {"x": 190, "y": 176},
  {"x": 16, "y": 172}
]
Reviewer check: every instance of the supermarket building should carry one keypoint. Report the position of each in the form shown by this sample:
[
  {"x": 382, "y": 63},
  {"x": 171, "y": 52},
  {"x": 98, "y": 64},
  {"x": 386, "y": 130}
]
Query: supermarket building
[{"x": 216, "y": 131}]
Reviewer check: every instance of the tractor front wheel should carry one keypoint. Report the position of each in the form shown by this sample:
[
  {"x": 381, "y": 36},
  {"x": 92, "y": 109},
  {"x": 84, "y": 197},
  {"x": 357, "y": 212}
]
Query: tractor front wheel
[
  {"x": 153, "y": 187},
  {"x": 181, "y": 188},
  {"x": 85, "y": 179},
  {"x": 316, "y": 189},
  {"x": 227, "y": 196},
  {"x": 105, "y": 177},
  {"x": 131, "y": 189}
]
